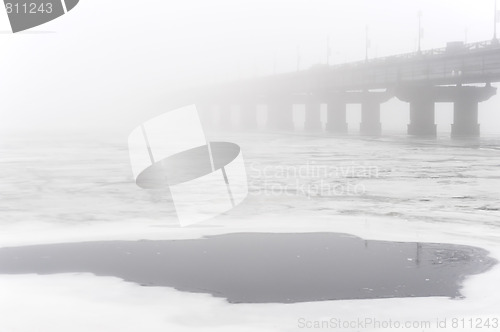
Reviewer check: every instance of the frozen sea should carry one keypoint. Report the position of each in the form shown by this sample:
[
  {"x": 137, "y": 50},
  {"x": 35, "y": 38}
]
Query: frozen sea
[{"x": 59, "y": 188}]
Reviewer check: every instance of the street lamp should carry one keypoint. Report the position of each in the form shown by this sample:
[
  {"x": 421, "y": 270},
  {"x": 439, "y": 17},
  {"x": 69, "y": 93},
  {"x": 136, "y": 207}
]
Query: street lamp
[{"x": 419, "y": 30}]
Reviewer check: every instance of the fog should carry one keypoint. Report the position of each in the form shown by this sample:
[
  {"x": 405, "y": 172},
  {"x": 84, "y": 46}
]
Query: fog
[
  {"x": 112, "y": 64},
  {"x": 129, "y": 220}
]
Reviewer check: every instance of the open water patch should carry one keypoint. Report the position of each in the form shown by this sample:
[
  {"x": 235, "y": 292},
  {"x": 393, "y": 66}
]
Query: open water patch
[{"x": 266, "y": 267}]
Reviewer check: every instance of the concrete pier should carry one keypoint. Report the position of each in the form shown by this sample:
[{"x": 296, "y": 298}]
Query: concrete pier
[
  {"x": 280, "y": 115},
  {"x": 422, "y": 118},
  {"x": 313, "y": 115},
  {"x": 336, "y": 116},
  {"x": 422, "y": 99},
  {"x": 248, "y": 116},
  {"x": 370, "y": 110},
  {"x": 225, "y": 117},
  {"x": 466, "y": 99},
  {"x": 370, "y": 117},
  {"x": 465, "y": 110},
  {"x": 465, "y": 119}
]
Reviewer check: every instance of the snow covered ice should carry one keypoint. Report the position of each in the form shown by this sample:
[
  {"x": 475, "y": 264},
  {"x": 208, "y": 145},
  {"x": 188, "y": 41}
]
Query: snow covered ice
[{"x": 437, "y": 191}]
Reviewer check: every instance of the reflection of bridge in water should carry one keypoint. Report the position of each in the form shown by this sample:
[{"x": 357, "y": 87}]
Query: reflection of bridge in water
[{"x": 460, "y": 73}]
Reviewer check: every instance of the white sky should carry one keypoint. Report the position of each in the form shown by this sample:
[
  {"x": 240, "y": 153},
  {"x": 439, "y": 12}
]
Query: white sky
[{"x": 110, "y": 62}]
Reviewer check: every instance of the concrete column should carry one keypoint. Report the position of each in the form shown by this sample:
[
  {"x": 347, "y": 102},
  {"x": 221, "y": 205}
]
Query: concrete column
[
  {"x": 280, "y": 115},
  {"x": 465, "y": 118},
  {"x": 466, "y": 105},
  {"x": 248, "y": 116},
  {"x": 336, "y": 117},
  {"x": 313, "y": 116},
  {"x": 422, "y": 117},
  {"x": 465, "y": 99},
  {"x": 370, "y": 117},
  {"x": 422, "y": 99},
  {"x": 225, "y": 118}
]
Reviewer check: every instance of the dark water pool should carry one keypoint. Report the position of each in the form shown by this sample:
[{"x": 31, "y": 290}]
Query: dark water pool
[{"x": 266, "y": 267}]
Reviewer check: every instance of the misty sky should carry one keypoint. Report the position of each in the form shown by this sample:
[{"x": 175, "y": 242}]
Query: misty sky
[{"x": 112, "y": 63}]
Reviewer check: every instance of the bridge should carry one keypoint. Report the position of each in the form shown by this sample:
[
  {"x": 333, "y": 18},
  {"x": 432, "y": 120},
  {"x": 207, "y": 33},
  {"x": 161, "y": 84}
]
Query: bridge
[{"x": 458, "y": 73}]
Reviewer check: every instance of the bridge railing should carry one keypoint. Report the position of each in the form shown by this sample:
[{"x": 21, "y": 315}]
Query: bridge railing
[
  {"x": 457, "y": 63},
  {"x": 450, "y": 49}
]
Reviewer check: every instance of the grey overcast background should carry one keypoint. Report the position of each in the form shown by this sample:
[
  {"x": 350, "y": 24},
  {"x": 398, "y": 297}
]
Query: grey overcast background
[{"x": 111, "y": 64}]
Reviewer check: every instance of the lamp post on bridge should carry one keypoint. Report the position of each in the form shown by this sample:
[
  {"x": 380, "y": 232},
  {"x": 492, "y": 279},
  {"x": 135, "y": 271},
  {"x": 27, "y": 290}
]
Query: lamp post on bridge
[
  {"x": 274, "y": 64},
  {"x": 495, "y": 22},
  {"x": 328, "y": 50},
  {"x": 419, "y": 30},
  {"x": 298, "y": 58},
  {"x": 367, "y": 43}
]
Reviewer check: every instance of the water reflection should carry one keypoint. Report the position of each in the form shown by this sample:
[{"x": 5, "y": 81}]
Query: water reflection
[{"x": 265, "y": 267}]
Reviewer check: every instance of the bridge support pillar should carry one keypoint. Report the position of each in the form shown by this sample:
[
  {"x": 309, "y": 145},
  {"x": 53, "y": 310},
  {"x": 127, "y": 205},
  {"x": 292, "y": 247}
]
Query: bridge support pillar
[
  {"x": 422, "y": 99},
  {"x": 313, "y": 118},
  {"x": 465, "y": 99},
  {"x": 370, "y": 117},
  {"x": 465, "y": 119},
  {"x": 466, "y": 106},
  {"x": 280, "y": 115},
  {"x": 248, "y": 116},
  {"x": 225, "y": 118},
  {"x": 336, "y": 117},
  {"x": 422, "y": 117}
]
